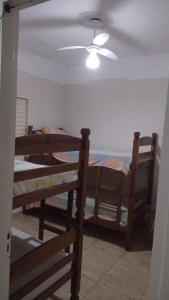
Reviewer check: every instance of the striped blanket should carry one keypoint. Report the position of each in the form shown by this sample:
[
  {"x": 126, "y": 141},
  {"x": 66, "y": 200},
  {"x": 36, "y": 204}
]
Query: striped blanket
[{"x": 117, "y": 160}]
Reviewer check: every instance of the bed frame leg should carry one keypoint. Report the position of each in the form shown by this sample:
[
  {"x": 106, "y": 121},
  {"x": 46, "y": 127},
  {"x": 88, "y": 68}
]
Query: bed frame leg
[
  {"x": 41, "y": 219},
  {"x": 75, "y": 285},
  {"x": 76, "y": 278},
  {"x": 129, "y": 235},
  {"x": 74, "y": 297},
  {"x": 69, "y": 215},
  {"x": 128, "y": 245}
]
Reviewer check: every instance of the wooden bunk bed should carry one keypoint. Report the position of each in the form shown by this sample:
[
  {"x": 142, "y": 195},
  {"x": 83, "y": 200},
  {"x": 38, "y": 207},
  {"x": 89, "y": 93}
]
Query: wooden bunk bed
[
  {"x": 129, "y": 195},
  {"x": 119, "y": 199},
  {"x": 37, "y": 268}
]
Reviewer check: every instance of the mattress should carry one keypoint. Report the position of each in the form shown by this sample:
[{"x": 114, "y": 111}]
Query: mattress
[
  {"x": 31, "y": 185},
  {"x": 21, "y": 244}
]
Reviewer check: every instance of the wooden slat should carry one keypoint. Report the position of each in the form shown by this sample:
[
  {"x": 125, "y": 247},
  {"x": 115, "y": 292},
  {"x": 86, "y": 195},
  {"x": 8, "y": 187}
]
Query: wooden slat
[
  {"x": 141, "y": 195},
  {"x": 46, "y": 171},
  {"x": 46, "y": 143},
  {"x": 145, "y": 141},
  {"x": 106, "y": 223},
  {"x": 41, "y": 278},
  {"x": 54, "y": 287},
  {"x": 53, "y": 229},
  {"x": 146, "y": 163},
  {"x": 22, "y": 200},
  {"x": 41, "y": 253},
  {"x": 107, "y": 188},
  {"x": 145, "y": 157},
  {"x": 139, "y": 208}
]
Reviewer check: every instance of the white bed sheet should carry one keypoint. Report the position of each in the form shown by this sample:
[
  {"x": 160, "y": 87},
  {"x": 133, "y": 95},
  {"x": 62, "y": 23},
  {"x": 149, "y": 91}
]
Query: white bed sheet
[{"x": 26, "y": 186}]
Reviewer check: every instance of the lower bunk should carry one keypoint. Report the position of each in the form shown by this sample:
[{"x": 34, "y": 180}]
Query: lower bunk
[{"x": 38, "y": 269}]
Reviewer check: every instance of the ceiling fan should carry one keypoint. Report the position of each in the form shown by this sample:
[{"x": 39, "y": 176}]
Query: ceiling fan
[{"x": 94, "y": 50}]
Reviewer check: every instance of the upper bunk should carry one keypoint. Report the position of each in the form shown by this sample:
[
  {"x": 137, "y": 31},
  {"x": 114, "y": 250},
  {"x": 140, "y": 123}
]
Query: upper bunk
[{"x": 47, "y": 143}]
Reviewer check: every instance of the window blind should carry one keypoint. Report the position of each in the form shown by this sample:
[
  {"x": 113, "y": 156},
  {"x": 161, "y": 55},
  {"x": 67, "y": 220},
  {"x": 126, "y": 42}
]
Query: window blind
[{"x": 21, "y": 116}]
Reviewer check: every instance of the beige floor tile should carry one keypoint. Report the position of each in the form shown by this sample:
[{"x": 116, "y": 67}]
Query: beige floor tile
[
  {"x": 101, "y": 293},
  {"x": 98, "y": 259},
  {"x": 86, "y": 285},
  {"x": 27, "y": 229},
  {"x": 145, "y": 295},
  {"x": 25, "y": 219},
  {"x": 141, "y": 259},
  {"x": 110, "y": 250},
  {"x": 129, "y": 280},
  {"x": 88, "y": 241}
]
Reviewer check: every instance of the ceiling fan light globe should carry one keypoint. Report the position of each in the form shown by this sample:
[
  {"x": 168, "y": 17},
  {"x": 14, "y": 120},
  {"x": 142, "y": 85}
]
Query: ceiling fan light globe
[
  {"x": 101, "y": 39},
  {"x": 93, "y": 61}
]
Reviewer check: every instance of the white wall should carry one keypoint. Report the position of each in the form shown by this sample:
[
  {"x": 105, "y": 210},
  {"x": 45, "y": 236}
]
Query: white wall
[
  {"x": 113, "y": 109},
  {"x": 32, "y": 63},
  {"x": 45, "y": 100}
]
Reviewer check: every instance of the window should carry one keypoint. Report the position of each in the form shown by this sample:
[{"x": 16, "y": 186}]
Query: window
[{"x": 21, "y": 116}]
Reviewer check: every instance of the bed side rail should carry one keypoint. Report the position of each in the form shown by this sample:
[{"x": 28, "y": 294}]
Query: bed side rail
[
  {"x": 41, "y": 253},
  {"x": 46, "y": 143},
  {"x": 46, "y": 171},
  {"x": 27, "y": 288},
  {"x": 44, "y": 193}
]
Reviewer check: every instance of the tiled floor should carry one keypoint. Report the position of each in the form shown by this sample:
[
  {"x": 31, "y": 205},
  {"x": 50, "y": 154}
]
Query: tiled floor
[{"x": 108, "y": 272}]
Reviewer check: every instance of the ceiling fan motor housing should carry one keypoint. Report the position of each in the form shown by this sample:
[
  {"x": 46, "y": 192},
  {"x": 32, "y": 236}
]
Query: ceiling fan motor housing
[
  {"x": 95, "y": 23},
  {"x": 94, "y": 20}
]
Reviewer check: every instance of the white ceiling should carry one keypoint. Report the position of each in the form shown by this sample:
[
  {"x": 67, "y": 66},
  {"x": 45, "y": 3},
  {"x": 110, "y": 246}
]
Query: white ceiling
[{"x": 137, "y": 28}]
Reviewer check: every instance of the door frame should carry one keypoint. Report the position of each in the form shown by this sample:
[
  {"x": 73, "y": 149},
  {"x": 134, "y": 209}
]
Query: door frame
[
  {"x": 159, "y": 289},
  {"x": 9, "y": 48}
]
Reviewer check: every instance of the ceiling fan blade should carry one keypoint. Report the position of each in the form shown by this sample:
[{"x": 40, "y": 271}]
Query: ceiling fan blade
[
  {"x": 70, "y": 48},
  {"x": 107, "y": 53},
  {"x": 109, "y": 5},
  {"x": 101, "y": 39},
  {"x": 46, "y": 23},
  {"x": 126, "y": 38}
]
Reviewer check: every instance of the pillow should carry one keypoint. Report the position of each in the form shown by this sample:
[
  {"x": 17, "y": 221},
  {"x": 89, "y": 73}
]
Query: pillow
[
  {"x": 45, "y": 130},
  {"x": 57, "y": 131}
]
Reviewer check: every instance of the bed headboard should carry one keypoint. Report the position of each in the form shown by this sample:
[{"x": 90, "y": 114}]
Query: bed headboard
[
  {"x": 147, "y": 156},
  {"x": 31, "y": 131}
]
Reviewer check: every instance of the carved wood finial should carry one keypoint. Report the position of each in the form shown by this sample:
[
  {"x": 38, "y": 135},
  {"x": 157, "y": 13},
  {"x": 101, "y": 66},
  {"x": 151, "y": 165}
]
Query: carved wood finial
[
  {"x": 137, "y": 135},
  {"x": 154, "y": 135},
  {"x": 85, "y": 132}
]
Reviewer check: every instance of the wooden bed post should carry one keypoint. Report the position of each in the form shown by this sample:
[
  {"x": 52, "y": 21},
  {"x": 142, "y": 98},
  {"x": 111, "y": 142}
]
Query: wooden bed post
[
  {"x": 29, "y": 130},
  {"x": 151, "y": 176},
  {"x": 80, "y": 204},
  {"x": 69, "y": 214},
  {"x": 132, "y": 190},
  {"x": 150, "y": 209},
  {"x": 41, "y": 219}
]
